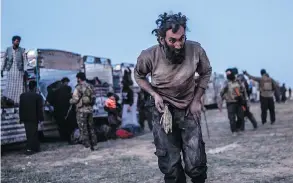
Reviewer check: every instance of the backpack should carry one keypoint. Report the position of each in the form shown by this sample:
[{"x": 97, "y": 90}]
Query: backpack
[{"x": 89, "y": 93}]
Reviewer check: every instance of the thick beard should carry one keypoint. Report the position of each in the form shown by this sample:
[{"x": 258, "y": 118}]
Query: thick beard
[
  {"x": 16, "y": 46},
  {"x": 172, "y": 56}
]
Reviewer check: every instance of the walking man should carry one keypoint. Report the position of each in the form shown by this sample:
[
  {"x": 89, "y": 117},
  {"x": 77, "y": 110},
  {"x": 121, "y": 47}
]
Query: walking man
[
  {"x": 176, "y": 96},
  {"x": 267, "y": 89},
  {"x": 234, "y": 94},
  {"x": 247, "y": 112}
]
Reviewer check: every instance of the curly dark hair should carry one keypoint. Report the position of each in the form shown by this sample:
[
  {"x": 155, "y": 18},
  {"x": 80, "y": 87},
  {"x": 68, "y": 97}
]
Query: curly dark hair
[{"x": 166, "y": 22}]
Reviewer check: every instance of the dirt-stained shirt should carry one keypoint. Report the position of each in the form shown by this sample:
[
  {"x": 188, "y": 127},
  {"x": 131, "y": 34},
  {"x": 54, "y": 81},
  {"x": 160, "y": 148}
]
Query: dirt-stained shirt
[{"x": 175, "y": 83}]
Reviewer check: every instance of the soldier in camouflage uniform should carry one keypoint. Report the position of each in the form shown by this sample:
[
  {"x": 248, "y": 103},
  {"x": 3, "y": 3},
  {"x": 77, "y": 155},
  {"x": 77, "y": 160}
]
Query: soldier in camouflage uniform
[{"x": 83, "y": 98}]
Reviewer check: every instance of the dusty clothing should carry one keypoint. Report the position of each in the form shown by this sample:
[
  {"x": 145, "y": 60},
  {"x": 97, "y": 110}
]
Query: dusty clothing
[
  {"x": 186, "y": 136},
  {"x": 84, "y": 97},
  {"x": 87, "y": 131},
  {"x": 267, "y": 85},
  {"x": 267, "y": 103},
  {"x": 14, "y": 59},
  {"x": 175, "y": 82}
]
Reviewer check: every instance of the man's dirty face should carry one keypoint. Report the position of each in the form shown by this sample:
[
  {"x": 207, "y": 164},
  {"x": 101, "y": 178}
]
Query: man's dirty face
[{"x": 174, "y": 45}]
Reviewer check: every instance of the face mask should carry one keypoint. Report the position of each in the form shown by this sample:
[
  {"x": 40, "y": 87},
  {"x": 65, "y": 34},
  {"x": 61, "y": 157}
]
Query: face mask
[{"x": 231, "y": 77}]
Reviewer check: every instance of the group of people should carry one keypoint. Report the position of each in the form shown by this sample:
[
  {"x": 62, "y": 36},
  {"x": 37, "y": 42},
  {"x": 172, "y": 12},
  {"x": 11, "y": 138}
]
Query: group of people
[
  {"x": 173, "y": 101},
  {"x": 236, "y": 95},
  {"x": 80, "y": 103}
]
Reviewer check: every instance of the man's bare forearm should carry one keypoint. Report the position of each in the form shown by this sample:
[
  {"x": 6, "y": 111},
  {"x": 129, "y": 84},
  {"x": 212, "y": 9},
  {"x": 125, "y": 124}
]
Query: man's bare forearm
[
  {"x": 145, "y": 85},
  {"x": 198, "y": 94}
]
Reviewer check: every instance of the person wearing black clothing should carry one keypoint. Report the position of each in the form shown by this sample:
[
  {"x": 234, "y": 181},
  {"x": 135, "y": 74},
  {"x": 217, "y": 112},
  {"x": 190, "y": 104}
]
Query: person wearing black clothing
[
  {"x": 61, "y": 106},
  {"x": 267, "y": 87},
  {"x": 234, "y": 93},
  {"x": 127, "y": 96},
  {"x": 144, "y": 108},
  {"x": 31, "y": 113},
  {"x": 129, "y": 115},
  {"x": 114, "y": 111},
  {"x": 247, "y": 112},
  {"x": 283, "y": 93}
]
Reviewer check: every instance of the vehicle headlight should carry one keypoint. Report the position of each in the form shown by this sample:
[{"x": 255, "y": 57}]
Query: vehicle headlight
[{"x": 32, "y": 63}]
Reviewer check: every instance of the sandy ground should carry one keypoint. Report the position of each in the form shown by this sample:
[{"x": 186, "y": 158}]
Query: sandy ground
[{"x": 261, "y": 156}]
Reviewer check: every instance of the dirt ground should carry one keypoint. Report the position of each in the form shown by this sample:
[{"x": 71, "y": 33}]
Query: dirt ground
[{"x": 261, "y": 156}]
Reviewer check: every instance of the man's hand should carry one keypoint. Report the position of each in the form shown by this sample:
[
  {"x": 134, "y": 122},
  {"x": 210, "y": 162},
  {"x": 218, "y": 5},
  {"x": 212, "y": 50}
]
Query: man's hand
[
  {"x": 195, "y": 109},
  {"x": 159, "y": 103}
]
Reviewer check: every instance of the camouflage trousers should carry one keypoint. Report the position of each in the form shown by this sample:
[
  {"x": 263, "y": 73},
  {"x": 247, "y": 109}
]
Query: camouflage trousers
[
  {"x": 186, "y": 136},
  {"x": 86, "y": 127}
]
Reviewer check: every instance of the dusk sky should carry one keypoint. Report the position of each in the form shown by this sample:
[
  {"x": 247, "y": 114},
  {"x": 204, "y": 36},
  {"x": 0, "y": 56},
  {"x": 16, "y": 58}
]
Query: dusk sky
[{"x": 250, "y": 34}]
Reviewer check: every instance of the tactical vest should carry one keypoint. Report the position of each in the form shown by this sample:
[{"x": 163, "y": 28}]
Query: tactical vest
[
  {"x": 266, "y": 84},
  {"x": 88, "y": 95},
  {"x": 231, "y": 89}
]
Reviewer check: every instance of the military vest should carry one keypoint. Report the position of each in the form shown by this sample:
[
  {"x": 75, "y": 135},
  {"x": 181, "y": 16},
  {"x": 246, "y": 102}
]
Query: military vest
[
  {"x": 88, "y": 97},
  {"x": 232, "y": 86},
  {"x": 266, "y": 84}
]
